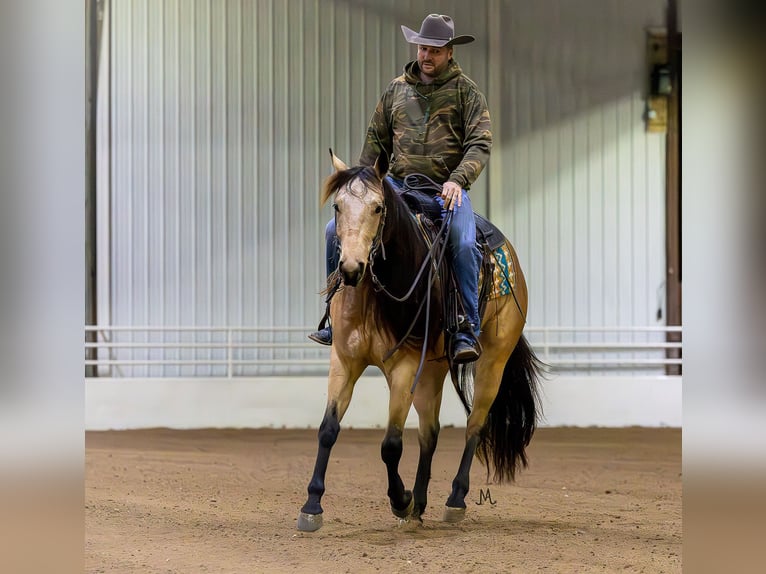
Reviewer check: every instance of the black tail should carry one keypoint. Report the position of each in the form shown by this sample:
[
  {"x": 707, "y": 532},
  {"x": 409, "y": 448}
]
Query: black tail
[{"x": 513, "y": 417}]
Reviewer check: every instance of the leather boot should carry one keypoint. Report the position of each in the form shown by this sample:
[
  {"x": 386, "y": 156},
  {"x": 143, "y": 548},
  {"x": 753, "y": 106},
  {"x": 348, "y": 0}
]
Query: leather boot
[
  {"x": 322, "y": 336},
  {"x": 466, "y": 348}
]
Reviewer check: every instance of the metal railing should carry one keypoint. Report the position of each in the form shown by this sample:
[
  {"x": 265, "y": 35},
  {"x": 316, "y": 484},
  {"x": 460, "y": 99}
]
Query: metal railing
[
  {"x": 162, "y": 351},
  {"x": 618, "y": 346}
]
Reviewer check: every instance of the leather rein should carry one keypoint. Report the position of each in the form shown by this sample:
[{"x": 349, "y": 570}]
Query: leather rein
[{"x": 434, "y": 257}]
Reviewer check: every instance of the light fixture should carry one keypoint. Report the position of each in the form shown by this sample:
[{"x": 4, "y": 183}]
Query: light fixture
[{"x": 660, "y": 84}]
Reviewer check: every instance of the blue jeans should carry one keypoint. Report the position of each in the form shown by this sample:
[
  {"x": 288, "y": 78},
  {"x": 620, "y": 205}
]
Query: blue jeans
[{"x": 465, "y": 257}]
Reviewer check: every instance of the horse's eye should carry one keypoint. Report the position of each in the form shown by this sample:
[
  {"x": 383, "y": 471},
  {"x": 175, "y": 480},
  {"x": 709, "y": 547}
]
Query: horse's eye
[
  {"x": 335, "y": 207},
  {"x": 378, "y": 209}
]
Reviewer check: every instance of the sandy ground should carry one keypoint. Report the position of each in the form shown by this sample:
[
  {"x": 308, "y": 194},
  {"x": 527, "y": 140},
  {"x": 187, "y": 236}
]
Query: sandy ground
[{"x": 592, "y": 500}]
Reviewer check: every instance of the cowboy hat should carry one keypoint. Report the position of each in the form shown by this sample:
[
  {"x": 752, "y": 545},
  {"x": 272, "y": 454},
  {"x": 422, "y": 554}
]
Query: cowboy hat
[{"x": 436, "y": 30}]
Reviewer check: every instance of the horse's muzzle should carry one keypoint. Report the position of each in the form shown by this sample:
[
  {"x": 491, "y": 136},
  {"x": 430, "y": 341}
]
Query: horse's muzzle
[{"x": 351, "y": 274}]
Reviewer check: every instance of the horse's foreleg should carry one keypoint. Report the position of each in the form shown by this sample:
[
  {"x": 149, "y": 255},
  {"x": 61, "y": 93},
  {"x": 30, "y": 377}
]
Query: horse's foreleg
[
  {"x": 339, "y": 396},
  {"x": 310, "y": 517},
  {"x": 391, "y": 449},
  {"x": 427, "y": 404},
  {"x": 428, "y": 437},
  {"x": 391, "y": 453}
]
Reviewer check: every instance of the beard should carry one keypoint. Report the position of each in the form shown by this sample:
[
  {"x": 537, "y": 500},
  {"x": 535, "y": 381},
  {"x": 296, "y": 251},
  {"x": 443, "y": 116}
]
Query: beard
[{"x": 430, "y": 69}]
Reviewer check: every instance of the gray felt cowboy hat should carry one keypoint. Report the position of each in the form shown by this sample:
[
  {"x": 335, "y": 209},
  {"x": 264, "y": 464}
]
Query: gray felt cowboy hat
[{"x": 436, "y": 30}]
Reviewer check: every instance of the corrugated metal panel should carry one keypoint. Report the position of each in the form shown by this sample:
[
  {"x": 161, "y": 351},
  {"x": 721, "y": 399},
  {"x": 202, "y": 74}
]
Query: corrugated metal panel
[
  {"x": 222, "y": 114},
  {"x": 582, "y": 194},
  {"x": 223, "y": 110}
]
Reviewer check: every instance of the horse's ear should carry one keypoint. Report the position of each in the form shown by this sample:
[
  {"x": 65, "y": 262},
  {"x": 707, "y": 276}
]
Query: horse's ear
[
  {"x": 381, "y": 165},
  {"x": 337, "y": 163}
]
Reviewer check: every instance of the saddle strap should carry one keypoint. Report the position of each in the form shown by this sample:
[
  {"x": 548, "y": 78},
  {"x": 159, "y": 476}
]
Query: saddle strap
[{"x": 335, "y": 277}]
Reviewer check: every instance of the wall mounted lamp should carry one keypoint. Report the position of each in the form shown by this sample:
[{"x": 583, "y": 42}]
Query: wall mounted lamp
[{"x": 659, "y": 80}]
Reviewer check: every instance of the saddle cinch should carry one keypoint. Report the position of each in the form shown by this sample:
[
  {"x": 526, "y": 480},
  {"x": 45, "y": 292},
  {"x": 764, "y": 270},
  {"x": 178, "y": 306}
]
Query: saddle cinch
[{"x": 418, "y": 192}]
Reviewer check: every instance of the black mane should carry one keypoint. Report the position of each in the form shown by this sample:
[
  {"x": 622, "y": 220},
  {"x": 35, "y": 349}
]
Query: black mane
[{"x": 396, "y": 264}]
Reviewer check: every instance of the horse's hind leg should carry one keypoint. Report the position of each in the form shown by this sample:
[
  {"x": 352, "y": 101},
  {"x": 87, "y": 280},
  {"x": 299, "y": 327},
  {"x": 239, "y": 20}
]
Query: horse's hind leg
[
  {"x": 340, "y": 388},
  {"x": 488, "y": 374}
]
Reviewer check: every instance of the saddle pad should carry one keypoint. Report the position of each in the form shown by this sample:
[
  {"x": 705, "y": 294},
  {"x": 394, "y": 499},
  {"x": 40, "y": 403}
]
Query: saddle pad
[{"x": 503, "y": 273}]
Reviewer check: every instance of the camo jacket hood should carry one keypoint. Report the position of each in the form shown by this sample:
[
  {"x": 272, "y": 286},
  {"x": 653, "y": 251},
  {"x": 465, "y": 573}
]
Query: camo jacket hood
[{"x": 441, "y": 130}]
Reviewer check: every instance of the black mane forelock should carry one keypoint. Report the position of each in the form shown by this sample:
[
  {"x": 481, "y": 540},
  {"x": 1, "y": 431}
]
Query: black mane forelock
[{"x": 339, "y": 179}]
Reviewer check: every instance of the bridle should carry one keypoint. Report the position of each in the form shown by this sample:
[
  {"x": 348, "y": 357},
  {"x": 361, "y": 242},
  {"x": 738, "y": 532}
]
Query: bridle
[
  {"x": 377, "y": 240},
  {"x": 377, "y": 243}
]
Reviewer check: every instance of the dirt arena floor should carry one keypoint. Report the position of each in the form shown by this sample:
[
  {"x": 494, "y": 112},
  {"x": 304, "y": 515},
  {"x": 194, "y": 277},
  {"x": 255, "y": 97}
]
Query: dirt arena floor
[{"x": 592, "y": 500}]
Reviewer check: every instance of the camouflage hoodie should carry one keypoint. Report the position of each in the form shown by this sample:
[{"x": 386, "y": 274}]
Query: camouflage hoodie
[{"x": 441, "y": 129}]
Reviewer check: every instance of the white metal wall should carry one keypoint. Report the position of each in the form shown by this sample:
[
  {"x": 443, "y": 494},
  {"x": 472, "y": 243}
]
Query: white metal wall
[
  {"x": 577, "y": 183},
  {"x": 221, "y": 112},
  {"x": 584, "y": 184}
]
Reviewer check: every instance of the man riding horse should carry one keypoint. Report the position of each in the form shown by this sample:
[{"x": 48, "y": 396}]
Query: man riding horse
[{"x": 433, "y": 120}]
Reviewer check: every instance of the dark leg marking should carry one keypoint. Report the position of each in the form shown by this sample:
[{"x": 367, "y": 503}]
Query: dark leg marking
[
  {"x": 427, "y": 449},
  {"x": 328, "y": 434},
  {"x": 460, "y": 484},
  {"x": 391, "y": 453}
]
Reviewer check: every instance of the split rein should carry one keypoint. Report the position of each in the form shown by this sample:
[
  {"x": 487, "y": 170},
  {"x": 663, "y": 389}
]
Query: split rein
[{"x": 433, "y": 260}]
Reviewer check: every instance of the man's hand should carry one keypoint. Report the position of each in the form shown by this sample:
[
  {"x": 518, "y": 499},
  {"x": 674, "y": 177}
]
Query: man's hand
[{"x": 452, "y": 192}]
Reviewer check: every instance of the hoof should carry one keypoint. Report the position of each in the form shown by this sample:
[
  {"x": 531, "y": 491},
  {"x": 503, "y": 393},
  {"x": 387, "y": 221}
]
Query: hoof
[
  {"x": 407, "y": 511},
  {"x": 411, "y": 523},
  {"x": 452, "y": 514},
  {"x": 309, "y": 522},
  {"x": 416, "y": 518}
]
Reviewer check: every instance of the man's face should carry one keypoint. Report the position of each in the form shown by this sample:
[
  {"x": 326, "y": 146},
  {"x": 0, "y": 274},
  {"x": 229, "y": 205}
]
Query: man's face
[{"x": 433, "y": 61}]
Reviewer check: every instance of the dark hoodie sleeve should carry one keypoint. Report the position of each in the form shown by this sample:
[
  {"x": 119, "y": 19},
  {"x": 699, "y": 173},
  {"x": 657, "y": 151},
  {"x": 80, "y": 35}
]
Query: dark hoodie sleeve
[
  {"x": 378, "y": 132},
  {"x": 477, "y": 142}
]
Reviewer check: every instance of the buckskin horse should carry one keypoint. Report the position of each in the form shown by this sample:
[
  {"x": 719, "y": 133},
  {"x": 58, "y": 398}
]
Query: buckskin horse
[{"x": 388, "y": 313}]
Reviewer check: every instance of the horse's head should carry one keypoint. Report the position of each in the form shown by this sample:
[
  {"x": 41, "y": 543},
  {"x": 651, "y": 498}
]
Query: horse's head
[{"x": 360, "y": 212}]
